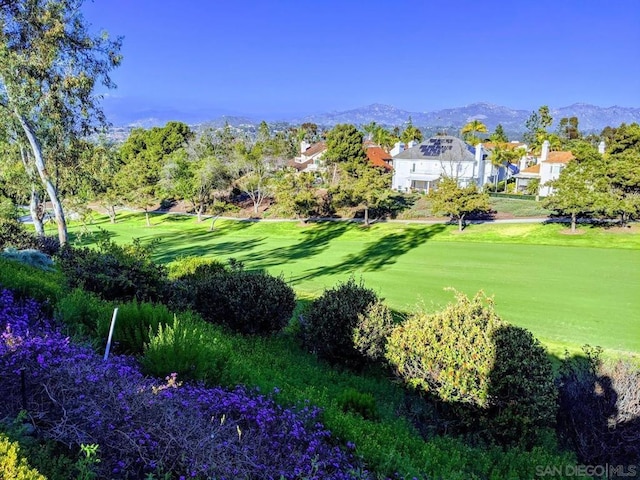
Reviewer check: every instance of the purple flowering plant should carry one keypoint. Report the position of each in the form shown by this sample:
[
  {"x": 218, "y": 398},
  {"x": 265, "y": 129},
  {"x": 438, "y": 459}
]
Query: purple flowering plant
[{"x": 143, "y": 426}]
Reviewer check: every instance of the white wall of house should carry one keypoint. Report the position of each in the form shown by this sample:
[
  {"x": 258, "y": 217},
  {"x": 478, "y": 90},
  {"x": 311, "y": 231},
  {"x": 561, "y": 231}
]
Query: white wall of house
[{"x": 548, "y": 172}]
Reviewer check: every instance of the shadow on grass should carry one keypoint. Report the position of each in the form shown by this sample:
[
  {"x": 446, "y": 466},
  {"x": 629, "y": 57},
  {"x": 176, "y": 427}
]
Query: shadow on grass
[
  {"x": 199, "y": 244},
  {"x": 316, "y": 240},
  {"x": 379, "y": 254}
]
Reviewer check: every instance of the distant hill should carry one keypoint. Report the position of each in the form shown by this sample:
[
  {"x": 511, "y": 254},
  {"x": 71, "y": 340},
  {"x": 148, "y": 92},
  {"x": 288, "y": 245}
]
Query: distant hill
[{"x": 592, "y": 118}]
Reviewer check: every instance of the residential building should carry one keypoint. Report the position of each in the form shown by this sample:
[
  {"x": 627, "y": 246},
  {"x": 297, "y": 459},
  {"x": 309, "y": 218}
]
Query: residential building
[
  {"x": 547, "y": 168},
  {"x": 379, "y": 157},
  {"x": 310, "y": 158},
  {"x": 420, "y": 166}
]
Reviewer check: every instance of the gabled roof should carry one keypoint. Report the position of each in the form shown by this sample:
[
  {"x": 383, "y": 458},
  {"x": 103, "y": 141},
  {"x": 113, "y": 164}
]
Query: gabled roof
[
  {"x": 315, "y": 149},
  {"x": 379, "y": 158},
  {"x": 532, "y": 169},
  {"x": 442, "y": 148},
  {"x": 559, "y": 157}
]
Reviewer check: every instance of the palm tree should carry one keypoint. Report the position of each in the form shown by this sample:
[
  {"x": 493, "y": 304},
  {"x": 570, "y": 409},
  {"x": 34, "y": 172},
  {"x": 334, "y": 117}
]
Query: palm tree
[{"x": 470, "y": 129}]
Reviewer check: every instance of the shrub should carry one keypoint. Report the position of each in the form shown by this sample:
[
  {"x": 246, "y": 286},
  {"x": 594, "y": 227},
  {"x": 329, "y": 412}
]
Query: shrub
[
  {"x": 466, "y": 355},
  {"x": 244, "y": 301},
  {"x": 371, "y": 331},
  {"x": 14, "y": 234},
  {"x": 8, "y": 210},
  {"x": 599, "y": 409},
  {"x": 328, "y": 322},
  {"x": 88, "y": 314},
  {"x": 33, "y": 258},
  {"x": 13, "y": 465},
  {"x": 115, "y": 272},
  {"x": 189, "y": 347}
]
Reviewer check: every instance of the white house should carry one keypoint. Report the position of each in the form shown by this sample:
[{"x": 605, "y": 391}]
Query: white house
[
  {"x": 420, "y": 166},
  {"x": 310, "y": 158},
  {"x": 547, "y": 168}
]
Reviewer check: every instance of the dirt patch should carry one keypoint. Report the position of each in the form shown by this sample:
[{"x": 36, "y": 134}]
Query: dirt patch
[
  {"x": 634, "y": 228},
  {"x": 578, "y": 231}
]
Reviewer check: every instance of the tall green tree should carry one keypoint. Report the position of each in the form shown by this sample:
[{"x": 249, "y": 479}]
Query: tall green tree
[
  {"x": 580, "y": 190},
  {"x": 362, "y": 185},
  {"x": 49, "y": 67},
  {"x": 344, "y": 146},
  {"x": 499, "y": 135},
  {"x": 195, "y": 174},
  {"x": 458, "y": 202},
  {"x": 568, "y": 128},
  {"x": 536, "y": 127}
]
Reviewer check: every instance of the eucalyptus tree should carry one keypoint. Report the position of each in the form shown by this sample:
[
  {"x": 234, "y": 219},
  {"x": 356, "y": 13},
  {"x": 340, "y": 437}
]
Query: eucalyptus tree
[
  {"x": 195, "y": 174},
  {"x": 50, "y": 66}
]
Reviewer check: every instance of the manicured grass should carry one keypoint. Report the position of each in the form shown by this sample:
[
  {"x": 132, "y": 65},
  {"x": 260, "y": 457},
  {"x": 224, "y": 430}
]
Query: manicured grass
[{"x": 567, "y": 289}]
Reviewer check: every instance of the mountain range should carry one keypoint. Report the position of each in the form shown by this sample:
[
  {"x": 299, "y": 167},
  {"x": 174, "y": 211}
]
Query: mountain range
[{"x": 591, "y": 118}]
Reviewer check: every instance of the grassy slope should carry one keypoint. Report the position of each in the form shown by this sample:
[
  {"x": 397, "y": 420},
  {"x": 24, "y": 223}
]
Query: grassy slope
[{"x": 567, "y": 289}]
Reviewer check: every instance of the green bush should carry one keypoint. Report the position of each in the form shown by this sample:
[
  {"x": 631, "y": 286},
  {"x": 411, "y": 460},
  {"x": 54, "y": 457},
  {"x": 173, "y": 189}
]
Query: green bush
[
  {"x": 371, "y": 331},
  {"x": 189, "y": 347},
  {"x": 466, "y": 356},
  {"x": 115, "y": 272},
  {"x": 328, "y": 323},
  {"x": 29, "y": 282},
  {"x": 244, "y": 301},
  {"x": 88, "y": 314},
  {"x": 82, "y": 311},
  {"x": 13, "y": 465},
  {"x": 15, "y": 234},
  {"x": 8, "y": 210}
]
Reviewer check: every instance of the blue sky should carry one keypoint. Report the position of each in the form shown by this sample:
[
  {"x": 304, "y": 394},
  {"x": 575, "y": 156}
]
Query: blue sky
[{"x": 298, "y": 56}]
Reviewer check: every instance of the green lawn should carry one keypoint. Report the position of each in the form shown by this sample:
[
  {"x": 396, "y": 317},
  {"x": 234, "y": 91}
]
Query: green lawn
[{"x": 567, "y": 289}]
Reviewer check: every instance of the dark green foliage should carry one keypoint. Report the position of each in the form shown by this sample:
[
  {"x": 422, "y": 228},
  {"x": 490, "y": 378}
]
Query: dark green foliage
[
  {"x": 521, "y": 388},
  {"x": 188, "y": 347},
  {"x": 15, "y": 234},
  {"x": 364, "y": 404},
  {"x": 496, "y": 377},
  {"x": 30, "y": 282},
  {"x": 88, "y": 314},
  {"x": 328, "y": 323},
  {"x": 250, "y": 302},
  {"x": 115, "y": 272},
  {"x": 599, "y": 412}
]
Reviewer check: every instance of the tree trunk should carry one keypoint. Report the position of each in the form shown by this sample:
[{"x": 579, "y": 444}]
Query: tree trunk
[
  {"x": 366, "y": 216},
  {"x": 111, "y": 211},
  {"x": 461, "y": 223},
  {"x": 199, "y": 213},
  {"x": 36, "y": 206},
  {"x": 146, "y": 215},
  {"x": 213, "y": 222},
  {"x": 46, "y": 179},
  {"x": 573, "y": 223},
  {"x": 37, "y": 211}
]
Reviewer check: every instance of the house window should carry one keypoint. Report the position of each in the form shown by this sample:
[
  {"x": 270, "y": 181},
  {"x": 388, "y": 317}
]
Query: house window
[{"x": 413, "y": 168}]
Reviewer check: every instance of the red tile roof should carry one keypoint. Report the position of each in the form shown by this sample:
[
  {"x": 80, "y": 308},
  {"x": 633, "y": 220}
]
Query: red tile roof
[
  {"x": 379, "y": 158},
  {"x": 532, "y": 169},
  {"x": 559, "y": 157}
]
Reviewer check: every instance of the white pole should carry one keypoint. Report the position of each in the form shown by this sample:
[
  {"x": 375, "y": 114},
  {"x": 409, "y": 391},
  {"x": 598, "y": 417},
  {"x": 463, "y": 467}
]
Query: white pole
[{"x": 113, "y": 324}]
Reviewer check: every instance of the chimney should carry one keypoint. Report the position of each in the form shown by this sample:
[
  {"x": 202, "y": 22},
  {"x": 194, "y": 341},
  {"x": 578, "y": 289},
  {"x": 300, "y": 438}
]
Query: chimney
[
  {"x": 412, "y": 144},
  {"x": 545, "y": 151},
  {"x": 397, "y": 149},
  {"x": 601, "y": 146},
  {"x": 304, "y": 146},
  {"x": 480, "y": 163}
]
